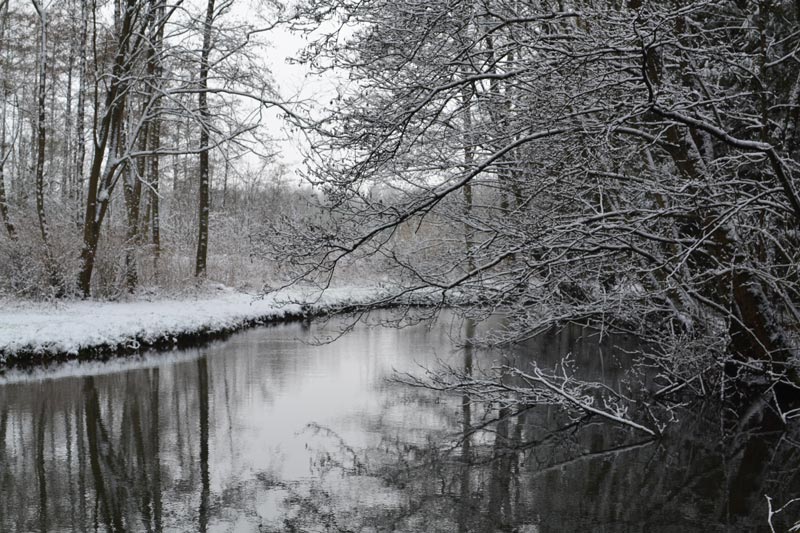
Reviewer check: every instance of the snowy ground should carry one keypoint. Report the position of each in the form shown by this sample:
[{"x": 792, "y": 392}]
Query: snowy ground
[{"x": 72, "y": 327}]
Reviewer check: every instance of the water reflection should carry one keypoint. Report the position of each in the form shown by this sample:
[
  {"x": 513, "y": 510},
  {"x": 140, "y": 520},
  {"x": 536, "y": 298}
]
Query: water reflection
[{"x": 265, "y": 433}]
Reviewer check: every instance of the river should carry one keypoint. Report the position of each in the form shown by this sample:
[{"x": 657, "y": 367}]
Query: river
[{"x": 267, "y": 431}]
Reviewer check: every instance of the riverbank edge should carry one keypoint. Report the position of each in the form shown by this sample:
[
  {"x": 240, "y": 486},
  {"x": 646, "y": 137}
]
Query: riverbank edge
[{"x": 32, "y": 358}]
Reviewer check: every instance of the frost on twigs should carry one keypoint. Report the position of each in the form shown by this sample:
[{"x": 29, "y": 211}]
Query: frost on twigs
[{"x": 508, "y": 386}]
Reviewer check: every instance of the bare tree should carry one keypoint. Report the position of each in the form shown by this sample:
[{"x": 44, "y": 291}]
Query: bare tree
[
  {"x": 4, "y": 155},
  {"x": 41, "y": 131},
  {"x": 106, "y": 162},
  {"x": 650, "y": 148},
  {"x": 202, "y": 96}
]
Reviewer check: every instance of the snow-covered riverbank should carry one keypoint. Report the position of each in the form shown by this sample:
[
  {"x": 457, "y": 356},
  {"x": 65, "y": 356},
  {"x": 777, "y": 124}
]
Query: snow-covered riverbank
[{"x": 42, "y": 331}]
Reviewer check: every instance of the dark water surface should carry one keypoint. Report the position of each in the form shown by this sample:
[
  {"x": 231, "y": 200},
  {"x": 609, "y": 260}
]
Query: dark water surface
[{"x": 264, "y": 432}]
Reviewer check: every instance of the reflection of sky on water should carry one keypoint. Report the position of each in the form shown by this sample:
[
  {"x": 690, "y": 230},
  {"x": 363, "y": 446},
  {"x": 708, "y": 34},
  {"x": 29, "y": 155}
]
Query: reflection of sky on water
[
  {"x": 315, "y": 438},
  {"x": 336, "y": 386},
  {"x": 276, "y": 406}
]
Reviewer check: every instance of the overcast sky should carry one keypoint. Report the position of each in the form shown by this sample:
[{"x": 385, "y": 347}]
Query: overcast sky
[{"x": 294, "y": 82}]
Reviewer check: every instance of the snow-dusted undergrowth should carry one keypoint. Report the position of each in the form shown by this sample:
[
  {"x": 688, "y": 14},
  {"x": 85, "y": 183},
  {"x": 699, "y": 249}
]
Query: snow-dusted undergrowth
[{"x": 72, "y": 328}]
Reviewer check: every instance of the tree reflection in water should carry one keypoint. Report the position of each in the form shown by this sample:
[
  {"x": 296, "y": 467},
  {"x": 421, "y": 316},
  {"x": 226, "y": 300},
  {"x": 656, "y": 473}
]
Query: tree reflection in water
[
  {"x": 164, "y": 448},
  {"x": 580, "y": 477}
]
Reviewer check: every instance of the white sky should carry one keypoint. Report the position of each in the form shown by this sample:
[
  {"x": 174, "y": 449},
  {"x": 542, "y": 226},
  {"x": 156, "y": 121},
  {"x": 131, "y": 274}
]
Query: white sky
[{"x": 294, "y": 82}]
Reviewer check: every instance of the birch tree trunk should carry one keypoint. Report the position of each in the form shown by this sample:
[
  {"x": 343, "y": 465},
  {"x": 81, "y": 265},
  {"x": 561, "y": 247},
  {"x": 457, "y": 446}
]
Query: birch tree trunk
[
  {"x": 80, "y": 112},
  {"x": 41, "y": 132},
  {"x": 12, "y": 233}
]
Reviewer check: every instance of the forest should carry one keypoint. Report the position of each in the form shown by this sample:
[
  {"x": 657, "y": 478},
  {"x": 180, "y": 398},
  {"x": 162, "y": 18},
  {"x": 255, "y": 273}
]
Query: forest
[
  {"x": 111, "y": 114},
  {"x": 627, "y": 165}
]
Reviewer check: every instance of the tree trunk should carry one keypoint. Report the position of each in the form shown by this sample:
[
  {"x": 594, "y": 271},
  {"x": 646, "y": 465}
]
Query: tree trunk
[
  {"x": 67, "y": 170},
  {"x": 467, "y": 93},
  {"x": 203, "y": 204},
  {"x": 80, "y": 138},
  {"x": 12, "y": 233},
  {"x": 155, "y": 139},
  {"x": 155, "y": 221},
  {"x": 133, "y": 197},
  {"x": 41, "y": 134},
  {"x": 107, "y": 132}
]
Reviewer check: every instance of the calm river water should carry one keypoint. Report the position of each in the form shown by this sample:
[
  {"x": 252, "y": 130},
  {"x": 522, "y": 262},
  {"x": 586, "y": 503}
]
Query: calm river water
[{"x": 265, "y": 432}]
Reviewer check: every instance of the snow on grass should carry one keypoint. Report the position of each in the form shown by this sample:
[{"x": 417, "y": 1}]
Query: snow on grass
[{"x": 72, "y": 327}]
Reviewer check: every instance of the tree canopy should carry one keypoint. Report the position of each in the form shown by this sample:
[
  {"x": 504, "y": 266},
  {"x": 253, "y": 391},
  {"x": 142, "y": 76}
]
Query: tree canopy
[{"x": 631, "y": 165}]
